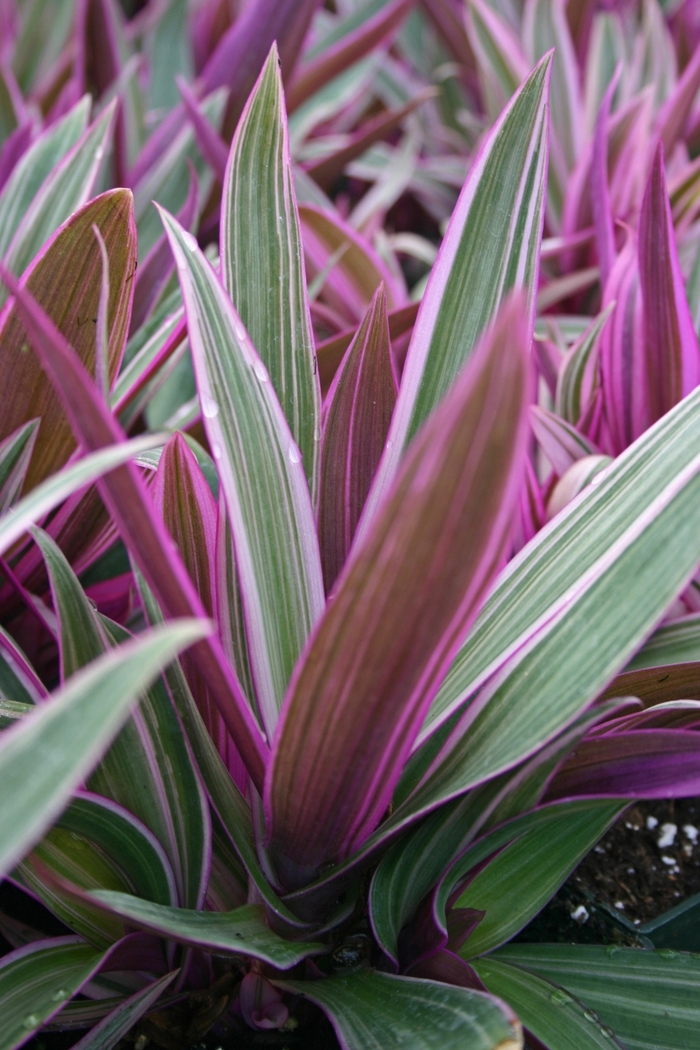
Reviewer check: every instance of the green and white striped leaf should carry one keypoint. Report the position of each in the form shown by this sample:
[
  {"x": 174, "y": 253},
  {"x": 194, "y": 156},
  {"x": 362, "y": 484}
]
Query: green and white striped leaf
[
  {"x": 262, "y": 477},
  {"x": 577, "y": 377},
  {"x": 491, "y": 246},
  {"x": 15, "y": 453},
  {"x": 517, "y": 884},
  {"x": 262, "y": 261},
  {"x": 240, "y": 932},
  {"x": 63, "y": 484},
  {"x": 571, "y": 554},
  {"x": 648, "y": 998},
  {"x": 117, "y": 1024},
  {"x": 36, "y": 981},
  {"x": 96, "y": 844},
  {"x": 66, "y": 188},
  {"x": 167, "y": 180},
  {"x": 378, "y": 1011},
  {"x": 36, "y": 166},
  {"x": 46, "y": 756},
  {"x": 556, "y": 1018},
  {"x": 147, "y": 769}
]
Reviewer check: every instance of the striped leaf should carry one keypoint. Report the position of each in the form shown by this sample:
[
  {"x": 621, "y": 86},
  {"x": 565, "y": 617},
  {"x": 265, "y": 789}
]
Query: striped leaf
[
  {"x": 648, "y": 998},
  {"x": 15, "y": 454},
  {"x": 36, "y": 166},
  {"x": 578, "y": 374},
  {"x": 262, "y": 262},
  {"x": 35, "y": 982},
  {"x": 357, "y": 414},
  {"x": 561, "y": 443},
  {"x": 553, "y": 1016},
  {"x": 66, "y": 279},
  {"x": 262, "y": 476},
  {"x": 491, "y": 245},
  {"x": 243, "y": 931},
  {"x": 67, "y": 188},
  {"x": 63, "y": 484},
  {"x": 110, "y": 1030},
  {"x": 378, "y": 1011},
  {"x": 357, "y": 699},
  {"x": 71, "y": 732}
]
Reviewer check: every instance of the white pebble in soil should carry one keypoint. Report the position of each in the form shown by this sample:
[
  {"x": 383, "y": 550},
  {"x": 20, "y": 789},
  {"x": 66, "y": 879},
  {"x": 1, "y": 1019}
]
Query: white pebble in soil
[
  {"x": 670, "y": 863},
  {"x": 619, "y": 905},
  {"x": 652, "y": 822},
  {"x": 580, "y": 915},
  {"x": 667, "y": 836},
  {"x": 691, "y": 832}
]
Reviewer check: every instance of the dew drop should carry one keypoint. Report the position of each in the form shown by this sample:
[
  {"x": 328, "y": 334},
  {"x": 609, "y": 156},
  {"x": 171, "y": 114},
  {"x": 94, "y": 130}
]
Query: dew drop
[
  {"x": 317, "y": 434},
  {"x": 390, "y": 444},
  {"x": 31, "y": 1021},
  {"x": 59, "y": 996},
  {"x": 560, "y": 998},
  {"x": 216, "y": 451},
  {"x": 190, "y": 241},
  {"x": 99, "y": 153},
  {"x": 667, "y": 953},
  {"x": 294, "y": 454},
  {"x": 590, "y": 1016},
  {"x": 239, "y": 331},
  {"x": 210, "y": 409},
  {"x": 260, "y": 371}
]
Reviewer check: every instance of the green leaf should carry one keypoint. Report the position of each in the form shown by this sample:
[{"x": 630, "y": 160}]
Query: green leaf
[
  {"x": 231, "y": 807},
  {"x": 35, "y": 982},
  {"x": 36, "y": 166},
  {"x": 527, "y": 873},
  {"x": 638, "y": 506},
  {"x": 66, "y": 189},
  {"x": 96, "y": 844},
  {"x": 262, "y": 262},
  {"x": 66, "y": 280},
  {"x": 45, "y": 757},
  {"x": 147, "y": 769},
  {"x": 649, "y": 998},
  {"x": 577, "y": 377},
  {"x": 377, "y": 1011},
  {"x": 15, "y": 454},
  {"x": 117, "y": 1024},
  {"x": 167, "y": 180},
  {"x": 262, "y": 477},
  {"x": 60, "y": 486},
  {"x": 491, "y": 245},
  {"x": 243, "y": 931},
  {"x": 556, "y": 1018}
]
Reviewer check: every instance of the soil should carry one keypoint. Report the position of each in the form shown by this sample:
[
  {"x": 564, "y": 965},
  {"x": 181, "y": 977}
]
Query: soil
[{"x": 628, "y": 878}]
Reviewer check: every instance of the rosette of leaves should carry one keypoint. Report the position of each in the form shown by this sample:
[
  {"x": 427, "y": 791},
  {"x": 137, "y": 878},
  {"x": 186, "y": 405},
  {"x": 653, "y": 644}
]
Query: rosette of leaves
[{"x": 412, "y": 716}]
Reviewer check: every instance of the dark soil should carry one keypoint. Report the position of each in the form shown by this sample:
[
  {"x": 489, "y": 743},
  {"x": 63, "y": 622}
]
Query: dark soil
[{"x": 625, "y": 879}]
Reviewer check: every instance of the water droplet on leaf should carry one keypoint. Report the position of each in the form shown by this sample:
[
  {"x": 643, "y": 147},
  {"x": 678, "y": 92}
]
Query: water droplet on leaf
[
  {"x": 31, "y": 1021},
  {"x": 210, "y": 409},
  {"x": 260, "y": 371},
  {"x": 216, "y": 451},
  {"x": 190, "y": 241},
  {"x": 560, "y": 998},
  {"x": 294, "y": 454}
]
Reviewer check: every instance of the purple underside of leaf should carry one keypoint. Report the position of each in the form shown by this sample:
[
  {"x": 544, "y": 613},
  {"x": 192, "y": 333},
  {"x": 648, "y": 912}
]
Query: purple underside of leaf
[
  {"x": 357, "y": 415},
  {"x": 156, "y": 269},
  {"x": 401, "y": 607},
  {"x": 656, "y": 763},
  {"x": 185, "y": 501},
  {"x": 600, "y": 194},
  {"x": 348, "y": 49},
  {"x": 131, "y": 506},
  {"x": 673, "y": 356},
  {"x": 673, "y": 114}
]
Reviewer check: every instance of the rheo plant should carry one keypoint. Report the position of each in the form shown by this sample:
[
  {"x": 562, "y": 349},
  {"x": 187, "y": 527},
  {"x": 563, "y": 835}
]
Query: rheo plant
[{"x": 344, "y": 687}]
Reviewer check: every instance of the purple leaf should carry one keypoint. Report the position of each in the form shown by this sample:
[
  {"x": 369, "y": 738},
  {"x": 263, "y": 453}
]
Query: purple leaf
[
  {"x": 184, "y": 500},
  {"x": 326, "y": 63},
  {"x": 401, "y": 607},
  {"x": 672, "y": 352},
  {"x": 357, "y": 415},
  {"x": 130, "y": 505},
  {"x": 600, "y": 194},
  {"x": 673, "y": 114},
  {"x": 211, "y": 145},
  {"x": 651, "y": 763}
]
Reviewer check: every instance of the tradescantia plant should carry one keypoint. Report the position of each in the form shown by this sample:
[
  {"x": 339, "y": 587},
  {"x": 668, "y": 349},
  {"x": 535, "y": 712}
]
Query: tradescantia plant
[{"x": 416, "y": 689}]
